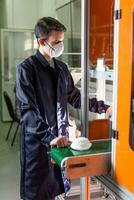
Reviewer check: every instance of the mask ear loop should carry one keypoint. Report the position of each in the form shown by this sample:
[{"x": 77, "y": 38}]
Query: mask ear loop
[{"x": 50, "y": 46}]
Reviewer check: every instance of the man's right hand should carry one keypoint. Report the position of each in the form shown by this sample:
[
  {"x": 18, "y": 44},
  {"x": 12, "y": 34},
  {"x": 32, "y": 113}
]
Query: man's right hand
[{"x": 60, "y": 141}]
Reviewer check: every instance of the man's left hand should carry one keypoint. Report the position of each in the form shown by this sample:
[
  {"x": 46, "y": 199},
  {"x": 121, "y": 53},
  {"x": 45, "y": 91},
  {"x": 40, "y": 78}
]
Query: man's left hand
[{"x": 109, "y": 111}]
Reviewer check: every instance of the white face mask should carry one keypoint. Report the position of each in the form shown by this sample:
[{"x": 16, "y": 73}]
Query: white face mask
[{"x": 56, "y": 50}]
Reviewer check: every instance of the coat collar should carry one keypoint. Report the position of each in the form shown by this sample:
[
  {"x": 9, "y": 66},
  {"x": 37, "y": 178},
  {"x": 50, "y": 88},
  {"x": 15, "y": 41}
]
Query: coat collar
[
  {"x": 44, "y": 62},
  {"x": 41, "y": 58}
]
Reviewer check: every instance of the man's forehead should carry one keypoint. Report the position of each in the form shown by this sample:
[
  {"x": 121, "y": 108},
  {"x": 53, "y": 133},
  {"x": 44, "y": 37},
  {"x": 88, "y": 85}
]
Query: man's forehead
[{"x": 56, "y": 35}]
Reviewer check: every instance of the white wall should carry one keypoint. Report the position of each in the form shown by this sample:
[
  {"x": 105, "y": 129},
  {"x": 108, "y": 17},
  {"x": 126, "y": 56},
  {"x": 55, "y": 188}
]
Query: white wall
[
  {"x": 60, "y": 3},
  {"x": 21, "y": 14},
  {"x": 24, "y": 13},
  {"x": 47, "y": 8}
]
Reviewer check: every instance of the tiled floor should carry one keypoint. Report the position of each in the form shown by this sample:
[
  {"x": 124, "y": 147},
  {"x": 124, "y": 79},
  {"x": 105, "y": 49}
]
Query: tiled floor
[
  {"x": 9, "y": 170},
  {"x": 9, "y": 173}
]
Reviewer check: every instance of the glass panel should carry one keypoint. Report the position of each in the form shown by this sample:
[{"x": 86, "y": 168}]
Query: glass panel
[
  {"x": 72, "y": 42},
  {"x": 100, "y": 63},
  {"x": 101, "y": 30},
  {"x": 132, "y": 95},
  {"x": 68, "y": 14},
  {"x": 16, "y": 46},
  {"x": 72, "y": 51}
]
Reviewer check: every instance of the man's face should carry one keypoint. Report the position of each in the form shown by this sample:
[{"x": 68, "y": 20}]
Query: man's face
[
  {"x": 53, "y": 44},
  {"x": 55, "y": 37}
]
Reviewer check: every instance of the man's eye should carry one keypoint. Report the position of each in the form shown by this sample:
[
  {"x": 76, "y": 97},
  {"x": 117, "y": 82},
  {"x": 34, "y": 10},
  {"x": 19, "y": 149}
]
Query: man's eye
[{"x": 57, "y": 42}]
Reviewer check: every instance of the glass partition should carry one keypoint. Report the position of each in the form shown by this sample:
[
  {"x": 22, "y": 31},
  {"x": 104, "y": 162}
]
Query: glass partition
[
  {"x": 16, "y": 45},
  {"x": 70, "y": 15},
  {"x": 72, "y": 42},
  {"x": 100, "y": 59},
  {"x": 67, "y": 14},
  {"x": 101, "y": 31},
  {"x": 101, "y": 23}
]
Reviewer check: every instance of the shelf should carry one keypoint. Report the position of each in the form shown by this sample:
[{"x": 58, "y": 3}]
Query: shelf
[{"x": 92, "y": 162}]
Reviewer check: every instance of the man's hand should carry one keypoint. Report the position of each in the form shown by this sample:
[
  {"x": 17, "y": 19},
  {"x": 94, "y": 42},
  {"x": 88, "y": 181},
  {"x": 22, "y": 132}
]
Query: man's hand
[
  {"x": 109, "y": 111},
  {"x": 60, "y": 141}
]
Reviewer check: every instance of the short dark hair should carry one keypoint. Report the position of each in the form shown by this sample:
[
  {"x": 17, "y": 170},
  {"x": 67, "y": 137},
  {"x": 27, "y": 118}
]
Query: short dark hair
[{"x": 46, "y": 25}]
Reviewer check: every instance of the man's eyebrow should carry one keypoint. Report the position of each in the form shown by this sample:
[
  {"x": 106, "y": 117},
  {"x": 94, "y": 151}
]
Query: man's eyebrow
[{"x": 58, "y": 41}]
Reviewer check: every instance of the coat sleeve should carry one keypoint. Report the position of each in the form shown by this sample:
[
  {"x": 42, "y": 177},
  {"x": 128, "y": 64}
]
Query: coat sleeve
[
  {"x": 30, "y": 115},
  {"x": 74, "y": 98}
]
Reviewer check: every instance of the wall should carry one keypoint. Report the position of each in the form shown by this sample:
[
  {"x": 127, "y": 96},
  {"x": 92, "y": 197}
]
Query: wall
[
  {"x": 24, "y": 14},
  {"x": 2, "y": 11},
  {"x": 47, "y": 8},
  {"x": 21, "y": 14},
  {"x": 59, "y": 3}
]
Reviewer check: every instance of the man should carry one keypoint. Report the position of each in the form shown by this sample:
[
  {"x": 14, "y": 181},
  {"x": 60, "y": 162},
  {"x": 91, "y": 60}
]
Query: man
[{"x": 44, "y": 87}]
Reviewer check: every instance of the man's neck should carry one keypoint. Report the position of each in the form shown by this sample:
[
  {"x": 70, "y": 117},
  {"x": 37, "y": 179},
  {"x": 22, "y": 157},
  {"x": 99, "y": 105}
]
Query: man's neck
[{"x": 47, "y": 57}]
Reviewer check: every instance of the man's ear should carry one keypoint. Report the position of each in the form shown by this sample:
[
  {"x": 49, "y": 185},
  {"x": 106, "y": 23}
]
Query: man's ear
[{"x": 41, "y": 41}]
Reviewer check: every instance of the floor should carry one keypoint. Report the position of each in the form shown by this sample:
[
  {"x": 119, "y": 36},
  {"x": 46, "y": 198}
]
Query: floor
[{"x": 10, "y": 171}]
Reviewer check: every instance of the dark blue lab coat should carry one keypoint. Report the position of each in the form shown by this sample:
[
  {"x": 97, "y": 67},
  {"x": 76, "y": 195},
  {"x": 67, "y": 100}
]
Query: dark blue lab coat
[{"x": 43, "y": 93}]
